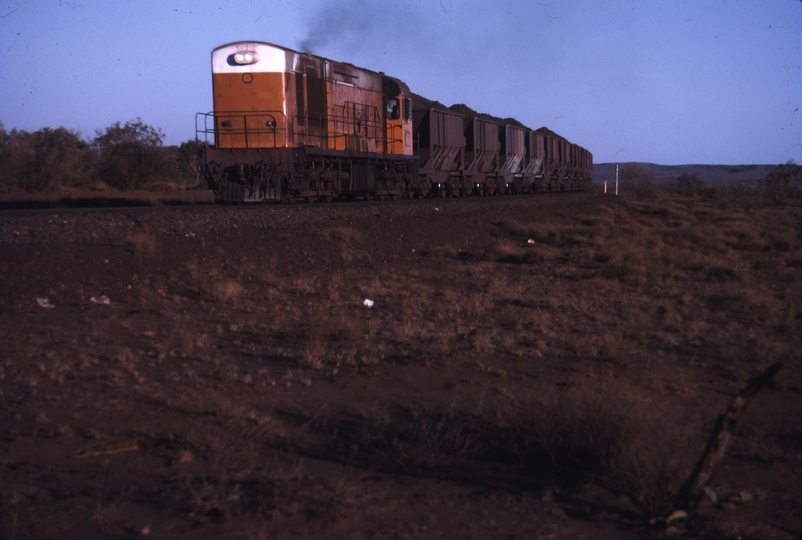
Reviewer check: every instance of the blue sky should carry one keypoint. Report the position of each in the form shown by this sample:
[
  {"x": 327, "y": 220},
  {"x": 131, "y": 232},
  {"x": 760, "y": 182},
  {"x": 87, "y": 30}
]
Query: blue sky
[{"x": 670, "y": 82}]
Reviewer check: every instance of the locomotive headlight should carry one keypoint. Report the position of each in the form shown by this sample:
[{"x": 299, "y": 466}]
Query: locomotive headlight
[{"x": 244, "y": 58}]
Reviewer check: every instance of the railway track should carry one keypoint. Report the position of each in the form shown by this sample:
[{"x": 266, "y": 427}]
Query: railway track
[{"x": 114, "y": 224}]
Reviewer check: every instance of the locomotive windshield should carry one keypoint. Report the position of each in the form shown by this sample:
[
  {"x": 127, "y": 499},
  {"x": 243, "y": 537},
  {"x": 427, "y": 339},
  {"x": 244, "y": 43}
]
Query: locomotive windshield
[{"x": 393, "y": 109}]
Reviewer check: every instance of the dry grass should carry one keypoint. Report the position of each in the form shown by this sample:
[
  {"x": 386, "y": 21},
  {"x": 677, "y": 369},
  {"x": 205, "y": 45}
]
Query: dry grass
[
  {"x": 141, "y": 244},
  {"x": 566, "y": 351},
  {"x": 617, "y": 436},
  {"x": 634, "y": 278}
]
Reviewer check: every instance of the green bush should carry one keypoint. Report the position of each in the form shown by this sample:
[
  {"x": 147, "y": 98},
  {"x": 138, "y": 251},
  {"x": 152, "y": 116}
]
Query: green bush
[
  {"x": 43, "y": 160},
  {"x": 191, "y": 155},
  {"x": 129, "y": 156}
]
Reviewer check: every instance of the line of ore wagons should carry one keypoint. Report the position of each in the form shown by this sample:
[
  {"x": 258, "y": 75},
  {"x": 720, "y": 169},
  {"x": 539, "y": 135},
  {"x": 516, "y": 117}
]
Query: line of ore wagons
[{"x": 464, "y": 152}]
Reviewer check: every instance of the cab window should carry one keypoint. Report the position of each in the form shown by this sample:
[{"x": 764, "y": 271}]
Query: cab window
[
  {"x": 407, "y": 109},
  {"x": 393, "y": 109}
]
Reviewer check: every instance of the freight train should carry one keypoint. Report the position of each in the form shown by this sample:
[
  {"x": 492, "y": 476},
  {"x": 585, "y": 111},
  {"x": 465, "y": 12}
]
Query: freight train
[{"x": 290, "y": 126}]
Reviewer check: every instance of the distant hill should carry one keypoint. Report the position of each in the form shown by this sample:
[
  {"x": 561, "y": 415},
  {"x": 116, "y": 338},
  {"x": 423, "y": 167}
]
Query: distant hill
[{"x": 711, "y": 174}]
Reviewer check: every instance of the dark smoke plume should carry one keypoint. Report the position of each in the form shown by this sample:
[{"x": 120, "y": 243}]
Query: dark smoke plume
[{"x": 352, "y": 23}]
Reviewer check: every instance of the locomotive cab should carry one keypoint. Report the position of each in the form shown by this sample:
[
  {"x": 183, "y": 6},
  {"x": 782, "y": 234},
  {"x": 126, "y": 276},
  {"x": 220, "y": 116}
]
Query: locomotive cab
[{"x": 398, "y": 116}]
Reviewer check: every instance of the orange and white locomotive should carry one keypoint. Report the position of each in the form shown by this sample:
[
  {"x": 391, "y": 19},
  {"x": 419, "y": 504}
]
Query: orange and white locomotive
[{"x": 294, "y": 125}]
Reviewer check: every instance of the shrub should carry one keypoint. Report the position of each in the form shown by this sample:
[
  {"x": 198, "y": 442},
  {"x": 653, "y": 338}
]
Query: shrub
[
  {"x": 43, "y": 160},
  {"x": 131, "y": 156},
  {"x": 638, "y": 181},
  {"x": 778, "y": 184},
  {"x": 620, "y": 437},
  {"x": 689, "y": 185},
  {"x": 191, "y": 155}
]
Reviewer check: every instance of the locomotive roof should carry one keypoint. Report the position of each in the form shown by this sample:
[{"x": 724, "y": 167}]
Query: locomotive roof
[{"x": 339, "y": 68}]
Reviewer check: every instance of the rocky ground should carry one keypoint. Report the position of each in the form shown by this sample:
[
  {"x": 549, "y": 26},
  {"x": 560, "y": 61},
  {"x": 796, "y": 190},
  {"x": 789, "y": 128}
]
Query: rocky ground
[{"x": 534, "y": 367}]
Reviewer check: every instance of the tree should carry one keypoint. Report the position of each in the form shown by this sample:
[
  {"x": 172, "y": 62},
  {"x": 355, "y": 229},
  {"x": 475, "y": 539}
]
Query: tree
[
  {"x": 131, "y": 155},
  {"x": 131, "y": 133},
  {"x": 191, "y": 154},
  {"x": 778, "y": 184},
  {"x": 639, "y": 181},
  {"x": 689, "y": 185},
  {"x": 43, "y": 160}
]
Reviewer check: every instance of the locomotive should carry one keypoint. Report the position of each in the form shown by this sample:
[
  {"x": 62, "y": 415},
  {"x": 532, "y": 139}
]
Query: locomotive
[{"x": 290, "y": 126}]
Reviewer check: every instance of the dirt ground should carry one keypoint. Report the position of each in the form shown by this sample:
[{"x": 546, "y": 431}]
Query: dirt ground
[{"x": 534, "y": 367}]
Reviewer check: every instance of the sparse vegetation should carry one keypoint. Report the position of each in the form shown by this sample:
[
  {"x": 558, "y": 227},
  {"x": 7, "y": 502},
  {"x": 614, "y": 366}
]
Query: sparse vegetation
[
  {"x": 782, "y": 183},
  {"x": 689, "y": 185},
  {"x": 562, "y": 355},
  {"x": 637, "y": 180},
  {"x": 123, "y": 156}
]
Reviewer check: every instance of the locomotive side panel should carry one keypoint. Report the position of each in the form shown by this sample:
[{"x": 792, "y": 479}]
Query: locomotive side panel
[
  {"x": 306, "y": 100},
  {"x": 355, "y": 109}
]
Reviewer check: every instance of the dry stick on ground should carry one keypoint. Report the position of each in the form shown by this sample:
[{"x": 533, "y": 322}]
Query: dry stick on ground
[{"x": 720, "y": 437}]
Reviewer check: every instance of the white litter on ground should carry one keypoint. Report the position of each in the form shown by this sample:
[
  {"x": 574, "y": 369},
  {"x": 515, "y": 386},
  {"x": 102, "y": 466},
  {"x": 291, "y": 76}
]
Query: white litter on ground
[
  {"x": 43, "y": 301},
  {"x": 102, "y": 299},
  {"x": 368, "y": 303}
]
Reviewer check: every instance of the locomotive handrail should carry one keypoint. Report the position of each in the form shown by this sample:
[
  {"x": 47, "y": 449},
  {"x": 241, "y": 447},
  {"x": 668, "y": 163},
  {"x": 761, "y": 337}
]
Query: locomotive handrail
[
  {"x": 345, "y": 122},
  {"x": 255, "y": 128},
  {"x": 356, "y": 119},
  {"x": 269, "y": 129}
]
